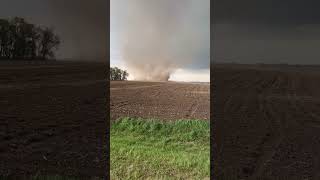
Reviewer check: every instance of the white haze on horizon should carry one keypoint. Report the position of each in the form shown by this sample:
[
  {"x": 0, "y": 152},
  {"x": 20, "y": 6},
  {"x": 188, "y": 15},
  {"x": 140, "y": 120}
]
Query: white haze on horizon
[{"x": 179, "y": 75}]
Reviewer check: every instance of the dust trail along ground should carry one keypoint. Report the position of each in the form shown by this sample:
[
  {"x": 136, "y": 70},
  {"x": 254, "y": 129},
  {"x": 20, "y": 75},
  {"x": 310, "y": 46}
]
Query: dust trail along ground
[
  {"x": 160, "y": 100},
  {"x": 52, "y": 118},
  {"x": 266, "y": 121}
]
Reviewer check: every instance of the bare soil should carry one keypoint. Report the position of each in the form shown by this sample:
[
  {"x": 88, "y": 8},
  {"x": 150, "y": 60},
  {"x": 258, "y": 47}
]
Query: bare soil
[
  {"x": 53, "y": 118},
  {"x": 266, "y": 122},
  {"x": 160, "y": 100}
]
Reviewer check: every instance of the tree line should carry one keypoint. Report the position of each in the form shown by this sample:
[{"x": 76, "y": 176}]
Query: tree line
[
  {"x": 117, "y": 74},
  {"x": 22, "y": 40}
]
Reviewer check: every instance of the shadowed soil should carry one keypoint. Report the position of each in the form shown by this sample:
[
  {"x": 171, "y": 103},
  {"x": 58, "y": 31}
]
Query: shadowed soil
[
  {"x": 53, "y": 118},
  {"x": 266, "y": 122},
  {"x": 160, "y": 100}
]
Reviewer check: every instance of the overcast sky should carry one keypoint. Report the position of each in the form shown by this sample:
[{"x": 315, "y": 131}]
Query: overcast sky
[
  {"x": 246, "y": 31},
  {"x": 266, "y": 31},
  {"x": 81, "y": 24},
  {"x": 188, "y": 22}
]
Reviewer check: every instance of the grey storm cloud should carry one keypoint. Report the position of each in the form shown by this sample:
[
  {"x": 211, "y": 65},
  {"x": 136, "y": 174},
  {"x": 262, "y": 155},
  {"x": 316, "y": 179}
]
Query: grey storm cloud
[
  {"x": 266, "y": 31},
  {"x": 267, "y": 11},
  {"x": 81, "y": 24}
]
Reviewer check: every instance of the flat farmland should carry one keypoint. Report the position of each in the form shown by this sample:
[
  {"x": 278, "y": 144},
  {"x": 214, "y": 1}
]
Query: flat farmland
[
  {"x": 160, "y": 100},
  {"x": 160, "y": 130},
  {"x": 266, "y": 121},
  {"x": 53, "y": 118}
]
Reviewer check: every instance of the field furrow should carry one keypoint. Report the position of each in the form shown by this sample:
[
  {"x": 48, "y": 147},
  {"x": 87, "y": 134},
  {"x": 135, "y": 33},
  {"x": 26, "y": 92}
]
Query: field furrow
[{"x": 267, "y": 122}]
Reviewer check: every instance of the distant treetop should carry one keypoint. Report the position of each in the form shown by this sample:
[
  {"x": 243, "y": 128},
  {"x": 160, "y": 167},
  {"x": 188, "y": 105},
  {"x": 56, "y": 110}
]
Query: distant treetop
[
  {"x": 117, "y": 74},
  {"x": 22, "y": 40}
]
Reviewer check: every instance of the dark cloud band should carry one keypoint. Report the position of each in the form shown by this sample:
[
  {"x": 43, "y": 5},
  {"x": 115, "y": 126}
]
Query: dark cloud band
[{"x": 267, "y": 11}]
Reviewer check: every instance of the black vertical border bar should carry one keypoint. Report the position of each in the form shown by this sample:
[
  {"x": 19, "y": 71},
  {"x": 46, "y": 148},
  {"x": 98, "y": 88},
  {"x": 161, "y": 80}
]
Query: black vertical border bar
[
  {"x": 107, "y": 134},
  {"x": 212, "y": 124}
]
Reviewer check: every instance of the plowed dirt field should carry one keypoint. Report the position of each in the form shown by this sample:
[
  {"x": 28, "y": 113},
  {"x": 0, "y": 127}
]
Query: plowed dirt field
[
  {"x": 266, "y": 122},
  {"x": 53, "y": 118},
  {"x": 160, "y": 100}
]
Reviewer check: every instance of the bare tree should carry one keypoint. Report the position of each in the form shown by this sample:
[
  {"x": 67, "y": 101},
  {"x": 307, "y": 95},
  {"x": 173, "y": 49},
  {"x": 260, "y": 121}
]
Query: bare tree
[{"x": 48, "y": 42}]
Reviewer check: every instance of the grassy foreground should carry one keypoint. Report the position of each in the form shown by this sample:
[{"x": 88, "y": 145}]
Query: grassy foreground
[{"x": 149, "y": 149}]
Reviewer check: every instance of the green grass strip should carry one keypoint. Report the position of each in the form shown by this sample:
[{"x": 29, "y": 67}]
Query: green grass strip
[{"x": 153, "y": 149}]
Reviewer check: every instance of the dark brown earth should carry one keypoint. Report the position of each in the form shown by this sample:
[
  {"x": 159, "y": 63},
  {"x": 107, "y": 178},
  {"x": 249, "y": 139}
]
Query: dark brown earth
[
  {"x": 160, "y": 100},
  {"x": 53, "y": 119},
  {"x": 266, "y": 122}
]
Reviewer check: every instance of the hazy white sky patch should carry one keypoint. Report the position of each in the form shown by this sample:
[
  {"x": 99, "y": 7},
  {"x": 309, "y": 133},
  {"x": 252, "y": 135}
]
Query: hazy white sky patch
[{"x": 187, "y": 75}]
